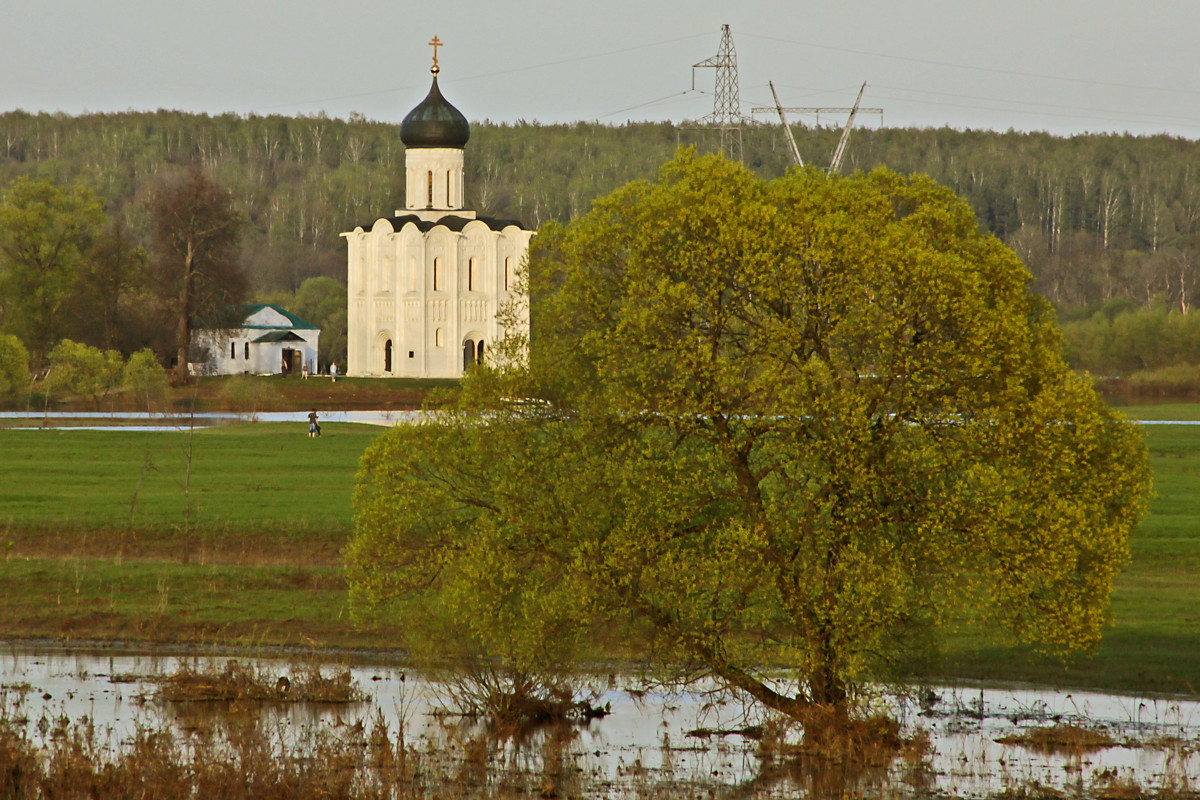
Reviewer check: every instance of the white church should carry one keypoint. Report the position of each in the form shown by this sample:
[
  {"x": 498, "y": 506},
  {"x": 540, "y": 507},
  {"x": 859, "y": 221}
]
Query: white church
[{"x": 425, "y": 285}]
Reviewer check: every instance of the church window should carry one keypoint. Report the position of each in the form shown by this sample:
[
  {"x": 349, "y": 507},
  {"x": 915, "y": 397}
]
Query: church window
[
  {"x": 448, "y": 203},
  {"x": 507, "y": 271},
  {"x": 246, "y": 354},
  {"x": 439, "y": 338},
  {"x": 411, "y": 354},
  {"x": 429, "y": 189},
  {"x": 471, "y": 287},
  {"x": 233, "y": 350},
  {"x": 479, "y": 356},
  {"x": 412, "y": 273},
  {"x": 387, "y": 356},
  {"x": 437, "y": 274}
]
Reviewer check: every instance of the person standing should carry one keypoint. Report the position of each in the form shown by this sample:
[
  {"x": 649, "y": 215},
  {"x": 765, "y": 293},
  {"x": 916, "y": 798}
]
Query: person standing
[
  {"x": 314, "y": 428},
  {"x": 333, "y": 371}
]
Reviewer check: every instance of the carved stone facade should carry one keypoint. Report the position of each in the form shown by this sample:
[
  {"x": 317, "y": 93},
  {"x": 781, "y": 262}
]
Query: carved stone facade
[{"x": 425, "y": 285}]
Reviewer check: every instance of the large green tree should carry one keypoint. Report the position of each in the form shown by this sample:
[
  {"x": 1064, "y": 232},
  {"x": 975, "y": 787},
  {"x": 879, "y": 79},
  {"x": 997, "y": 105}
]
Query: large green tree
[
  {"x": 802, "y": 424},
  {"x": 46, "y": 234}
]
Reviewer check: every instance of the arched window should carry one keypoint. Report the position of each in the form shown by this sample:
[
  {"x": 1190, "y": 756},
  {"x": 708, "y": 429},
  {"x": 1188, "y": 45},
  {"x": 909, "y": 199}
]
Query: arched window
[
  {"x": 247, "y": 352},
  {"x": 437, "y": 274},
  {"x": 448, "y": 203},
  {"x": 468, "y": 353},
  {"x": 387, "y": 356},
  {"x": 439, "y": 338},
  {"x": 479, "y": 352},
  {"x": 471, "y": 287},
  {"x": 429, "y": 189},
  {"x": 233, "y": 349},
  {"x": 507, "y": 271}
]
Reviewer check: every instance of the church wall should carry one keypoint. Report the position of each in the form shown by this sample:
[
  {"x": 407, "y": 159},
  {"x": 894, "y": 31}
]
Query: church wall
[{"x": 427, "y": 293}]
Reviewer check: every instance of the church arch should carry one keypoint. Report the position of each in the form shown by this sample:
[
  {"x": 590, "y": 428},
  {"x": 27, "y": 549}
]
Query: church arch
[
  {"x": 380, "y": 361},
  {"x": 472, "y": 349}
]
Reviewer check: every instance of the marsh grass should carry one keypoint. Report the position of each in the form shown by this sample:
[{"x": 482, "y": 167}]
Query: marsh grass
[
  {"x": 238, "y": 681},
  {"x": 1061, "y": 739},
  {"x": 249, "y": 763}
]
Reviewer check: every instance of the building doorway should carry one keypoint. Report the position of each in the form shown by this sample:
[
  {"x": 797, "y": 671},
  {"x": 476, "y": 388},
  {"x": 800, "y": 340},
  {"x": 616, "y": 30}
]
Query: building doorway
[{"x": 292, "y": 361}]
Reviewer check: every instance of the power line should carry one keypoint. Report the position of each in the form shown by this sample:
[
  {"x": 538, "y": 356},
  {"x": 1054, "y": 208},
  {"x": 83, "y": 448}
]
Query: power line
[{"x": 994, "y": 70}]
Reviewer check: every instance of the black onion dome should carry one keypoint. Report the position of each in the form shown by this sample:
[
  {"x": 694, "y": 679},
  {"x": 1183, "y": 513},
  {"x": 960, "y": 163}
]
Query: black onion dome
[{"x": 434, "y": 123}]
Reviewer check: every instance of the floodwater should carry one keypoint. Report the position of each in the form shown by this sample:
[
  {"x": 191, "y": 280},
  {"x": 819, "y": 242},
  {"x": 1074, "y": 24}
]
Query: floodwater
[
  {"x": 645, "y": 741},
  {"x": 143, "y": 421}
]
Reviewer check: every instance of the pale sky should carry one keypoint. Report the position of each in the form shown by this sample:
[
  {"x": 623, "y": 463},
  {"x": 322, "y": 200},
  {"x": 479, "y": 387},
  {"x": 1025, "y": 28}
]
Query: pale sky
[{"x": 1063, "y": 66}]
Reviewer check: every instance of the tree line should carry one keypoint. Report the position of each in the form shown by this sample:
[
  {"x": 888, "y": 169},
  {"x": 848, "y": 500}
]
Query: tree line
[{"x": 1097, "y": 218}]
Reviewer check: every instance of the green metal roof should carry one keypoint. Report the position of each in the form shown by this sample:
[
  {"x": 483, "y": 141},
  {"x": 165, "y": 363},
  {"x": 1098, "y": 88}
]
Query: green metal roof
[
  {"x": 278, "y": 336},
  {"x": 253, "y": 308}
]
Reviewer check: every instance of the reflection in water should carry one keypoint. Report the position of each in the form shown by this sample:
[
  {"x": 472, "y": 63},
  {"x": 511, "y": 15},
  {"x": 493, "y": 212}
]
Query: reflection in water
[{"x": 403, "y": 731}]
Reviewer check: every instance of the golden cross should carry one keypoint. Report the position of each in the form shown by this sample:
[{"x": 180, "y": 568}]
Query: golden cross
[{"x": 436, "y": 43}]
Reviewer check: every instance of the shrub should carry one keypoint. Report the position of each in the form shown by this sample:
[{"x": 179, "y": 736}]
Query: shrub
[
  {"x": 14, "y": 366},
  {"x": 146, "y": 379},
  {"x": 80, "y": 369},
  {"x": 249, "y": 394}
]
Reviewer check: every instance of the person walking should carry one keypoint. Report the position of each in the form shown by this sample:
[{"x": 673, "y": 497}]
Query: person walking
[{"x": 314, "y": 427}]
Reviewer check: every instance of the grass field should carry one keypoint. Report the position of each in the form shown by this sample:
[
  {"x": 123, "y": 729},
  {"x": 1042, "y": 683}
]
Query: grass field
[
  {"x": 1154, "y": 641},
  {"x": 91, "y": 524},
  {"x": 267, "y": 477}
]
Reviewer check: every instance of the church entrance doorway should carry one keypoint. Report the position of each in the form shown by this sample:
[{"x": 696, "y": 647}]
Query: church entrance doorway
[{"x": 387, "y": 356}]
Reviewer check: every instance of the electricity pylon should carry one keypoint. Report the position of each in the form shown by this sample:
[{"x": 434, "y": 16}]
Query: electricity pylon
[
  {"x": 726, "y": 116},
  {"x": 818, "y": 110}
]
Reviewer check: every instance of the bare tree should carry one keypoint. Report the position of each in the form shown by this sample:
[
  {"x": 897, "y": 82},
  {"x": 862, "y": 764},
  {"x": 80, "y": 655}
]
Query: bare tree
[{"x": 194, "y": 240}]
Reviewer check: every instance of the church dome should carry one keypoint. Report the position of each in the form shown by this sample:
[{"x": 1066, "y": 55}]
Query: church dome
[{"x": 435, "y": 123}]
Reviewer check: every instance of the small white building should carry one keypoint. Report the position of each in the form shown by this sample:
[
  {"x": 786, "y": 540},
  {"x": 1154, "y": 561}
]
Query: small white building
[
  {"x": 425, "y": 285},
  {"x": 268, "y": 339}
]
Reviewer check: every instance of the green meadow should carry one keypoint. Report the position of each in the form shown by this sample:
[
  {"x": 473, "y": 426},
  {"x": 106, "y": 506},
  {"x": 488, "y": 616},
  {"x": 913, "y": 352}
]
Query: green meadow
[
  {"x": 250, "y": 477},
  {"x": 92, "y": 528}
]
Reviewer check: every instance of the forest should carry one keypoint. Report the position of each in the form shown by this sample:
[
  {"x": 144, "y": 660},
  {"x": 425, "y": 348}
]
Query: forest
[{"x": 1109, "y": 225}]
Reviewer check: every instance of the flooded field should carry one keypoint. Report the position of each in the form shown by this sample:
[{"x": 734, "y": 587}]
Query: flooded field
[{"x": 963, "y": 741}]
